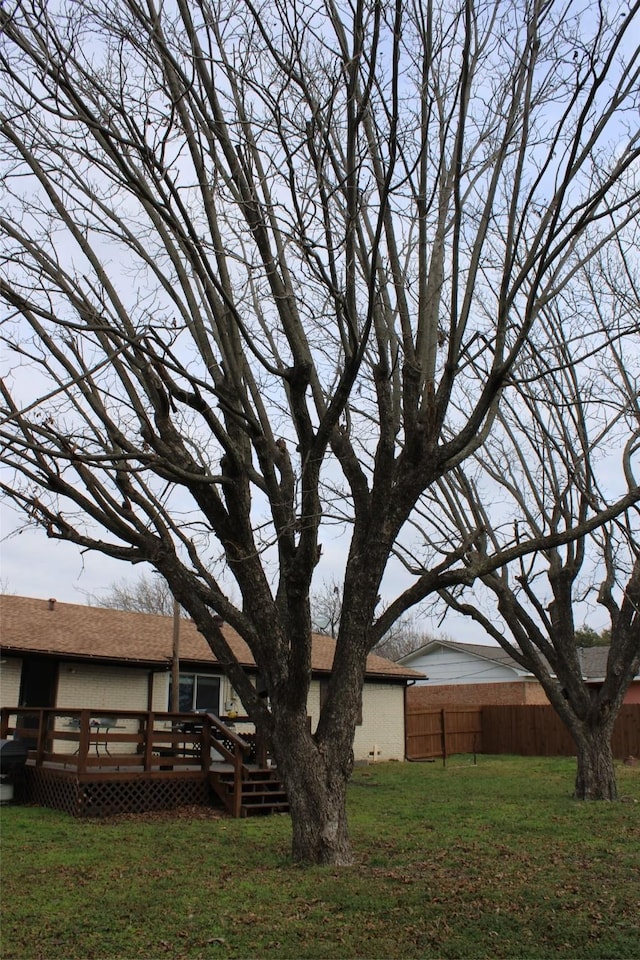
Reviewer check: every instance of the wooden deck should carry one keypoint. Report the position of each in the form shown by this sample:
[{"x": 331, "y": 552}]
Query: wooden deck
[{"x": 90, "y": 764}]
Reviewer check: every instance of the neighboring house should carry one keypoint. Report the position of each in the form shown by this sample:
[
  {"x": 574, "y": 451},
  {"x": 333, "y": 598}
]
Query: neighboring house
[
  {"x": 468, "y": 674},
  {"x": 71, "y": 656}
]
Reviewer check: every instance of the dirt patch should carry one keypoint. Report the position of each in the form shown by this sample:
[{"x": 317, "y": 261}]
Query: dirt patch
[{"x": 188, "y": 812}]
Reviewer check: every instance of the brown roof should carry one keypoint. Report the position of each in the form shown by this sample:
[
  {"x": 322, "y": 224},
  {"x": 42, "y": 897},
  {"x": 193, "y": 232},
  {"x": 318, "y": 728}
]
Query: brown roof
[{"x": 29, "y": 625}]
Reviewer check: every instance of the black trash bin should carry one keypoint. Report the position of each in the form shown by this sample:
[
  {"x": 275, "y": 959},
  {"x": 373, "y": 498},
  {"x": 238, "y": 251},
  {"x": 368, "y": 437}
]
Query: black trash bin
[{"x": 13, "y": 757}]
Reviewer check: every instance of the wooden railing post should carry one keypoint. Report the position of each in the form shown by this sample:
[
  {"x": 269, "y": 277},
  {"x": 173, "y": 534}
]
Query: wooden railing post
[
  {"x": 48, "y": 724},
  {"x": 148, "y": 740},
  {"x": 83, "y": 742},
  {"x": 261, "y": 749},
  {"x": 205, "y": 744},
  {"x": 237, "y": 781},
  {"x": 4, "y": 723},
  {"x": 41, "y": 736}
]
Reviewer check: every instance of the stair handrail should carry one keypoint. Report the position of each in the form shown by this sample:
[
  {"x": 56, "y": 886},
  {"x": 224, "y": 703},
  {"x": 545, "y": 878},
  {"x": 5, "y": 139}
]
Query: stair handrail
[
  {"x": 238, "y": 742},
  {"x": 234, "y": 756}
]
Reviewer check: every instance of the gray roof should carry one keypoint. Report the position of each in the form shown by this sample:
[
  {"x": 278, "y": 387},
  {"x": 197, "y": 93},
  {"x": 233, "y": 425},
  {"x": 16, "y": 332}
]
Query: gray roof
[
  {"x": 594, "y": 659},
  {"x": 594, "y": 662},
  {"x": 483, "y": 651}
]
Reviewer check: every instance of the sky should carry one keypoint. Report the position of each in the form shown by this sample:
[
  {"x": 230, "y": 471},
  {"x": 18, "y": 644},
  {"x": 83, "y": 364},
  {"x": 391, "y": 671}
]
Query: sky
[{"x": 31, "y": 565}]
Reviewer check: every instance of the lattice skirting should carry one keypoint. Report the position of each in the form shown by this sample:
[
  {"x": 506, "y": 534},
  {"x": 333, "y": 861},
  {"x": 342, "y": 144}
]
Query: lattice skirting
[{"x": 101, "y": 798}]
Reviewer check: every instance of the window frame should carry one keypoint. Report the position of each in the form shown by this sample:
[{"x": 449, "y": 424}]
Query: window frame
[{"x": 195, "y": 676}]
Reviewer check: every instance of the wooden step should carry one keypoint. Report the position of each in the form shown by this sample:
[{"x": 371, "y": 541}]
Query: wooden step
[{"x": 262, "y": 792}]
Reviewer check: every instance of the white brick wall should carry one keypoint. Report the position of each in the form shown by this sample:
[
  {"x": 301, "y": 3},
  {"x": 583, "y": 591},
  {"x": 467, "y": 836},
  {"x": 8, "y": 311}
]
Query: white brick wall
[
  {"x": 160, "y": 695},
  {"x": 102, "y": 688},
  {"x": 119, "y": 688},
  {"x": 382, "y": 720},
  {"x": 10, "y": 672}
]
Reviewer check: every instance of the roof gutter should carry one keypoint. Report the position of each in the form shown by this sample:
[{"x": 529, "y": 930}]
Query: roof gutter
[{"x": 21, "y": 652}]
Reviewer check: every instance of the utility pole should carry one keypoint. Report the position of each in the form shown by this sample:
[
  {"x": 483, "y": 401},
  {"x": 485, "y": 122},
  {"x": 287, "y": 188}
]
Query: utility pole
[{"x": 175, "y": 659}]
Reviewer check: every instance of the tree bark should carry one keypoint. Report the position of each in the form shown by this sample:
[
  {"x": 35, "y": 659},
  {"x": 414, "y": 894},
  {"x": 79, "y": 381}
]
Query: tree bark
[
  {"x": 315, "y": 776},
  {"x": 595, "y": 778}
]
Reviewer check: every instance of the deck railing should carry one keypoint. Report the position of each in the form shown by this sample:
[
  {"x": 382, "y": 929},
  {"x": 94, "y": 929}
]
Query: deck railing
[{"x": 91, "y": 741}]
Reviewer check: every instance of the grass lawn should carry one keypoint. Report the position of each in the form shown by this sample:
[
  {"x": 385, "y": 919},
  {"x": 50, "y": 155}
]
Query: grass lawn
[{"x": 494, "y": 860}]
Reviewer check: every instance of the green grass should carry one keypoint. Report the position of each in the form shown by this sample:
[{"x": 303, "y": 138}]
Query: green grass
[{"x": 494, "y": 860}]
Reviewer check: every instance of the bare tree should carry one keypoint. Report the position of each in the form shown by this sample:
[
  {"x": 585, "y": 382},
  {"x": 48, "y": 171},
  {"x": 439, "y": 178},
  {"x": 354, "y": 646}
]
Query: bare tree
[
  {"x": 144, "y": 595},
  {"x": 405, "y": 636},
  {"x": 553, "y": 459},
  {"x": 269, "y": 269},
  {"x": 326, "y": 607}
]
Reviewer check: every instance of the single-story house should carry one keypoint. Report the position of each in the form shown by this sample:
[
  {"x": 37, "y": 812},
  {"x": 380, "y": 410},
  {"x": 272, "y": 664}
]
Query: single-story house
[
  {"x": 66, "y": 655},
  {"x": 472, "y": 674}
]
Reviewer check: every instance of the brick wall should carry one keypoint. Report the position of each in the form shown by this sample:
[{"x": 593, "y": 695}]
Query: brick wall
[
  {"x": 106, "y": 688},
  {"x": 160, "y": 695},
  {"x": 10, "y": 681},
  {"x": 382, "y": 720},
  {"x": 476, "y": 694},
  {"x": 633, "y": 693}
]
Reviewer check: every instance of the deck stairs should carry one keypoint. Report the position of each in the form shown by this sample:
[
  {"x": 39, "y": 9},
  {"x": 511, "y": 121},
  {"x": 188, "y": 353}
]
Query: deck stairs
[{"x": 262, "y": 792}]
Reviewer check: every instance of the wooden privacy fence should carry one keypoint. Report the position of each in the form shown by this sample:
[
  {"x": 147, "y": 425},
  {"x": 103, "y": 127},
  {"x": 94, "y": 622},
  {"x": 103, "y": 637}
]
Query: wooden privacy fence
[
  {"x": 523, "y": 730},
  {"x": 440, "y": 733},
  {"x": 538, "y": 731}
]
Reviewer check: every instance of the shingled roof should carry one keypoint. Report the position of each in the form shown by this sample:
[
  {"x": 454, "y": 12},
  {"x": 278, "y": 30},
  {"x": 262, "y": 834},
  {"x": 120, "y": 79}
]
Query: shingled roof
[
  {"x": 482, "y": 651},
  {"x": 73, "y": 631},
  {"x": 594, "y": 659}
]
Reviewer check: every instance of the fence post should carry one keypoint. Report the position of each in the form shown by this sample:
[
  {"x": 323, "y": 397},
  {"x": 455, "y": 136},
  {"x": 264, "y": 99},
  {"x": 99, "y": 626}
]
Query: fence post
[{"x": 443, "y": 725}]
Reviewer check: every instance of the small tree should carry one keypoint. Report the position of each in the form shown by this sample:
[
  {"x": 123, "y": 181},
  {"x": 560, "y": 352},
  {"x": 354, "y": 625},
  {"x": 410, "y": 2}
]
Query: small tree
[
  {"x": 268, "y": 270},
  {"x": 586, "y": 636}
]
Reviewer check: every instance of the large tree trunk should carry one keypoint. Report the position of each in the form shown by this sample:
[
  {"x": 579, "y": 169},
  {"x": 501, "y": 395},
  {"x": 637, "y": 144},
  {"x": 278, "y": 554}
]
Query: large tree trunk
[
  {"x": 315, "y": 776},
  {"x": 595, "y": 778}
]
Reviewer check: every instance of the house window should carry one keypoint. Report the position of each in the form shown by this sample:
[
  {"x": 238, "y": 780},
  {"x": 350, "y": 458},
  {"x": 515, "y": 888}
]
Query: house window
[
  {"x": 324, "y": 690},
  {"x": 198, "y": 691}
]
